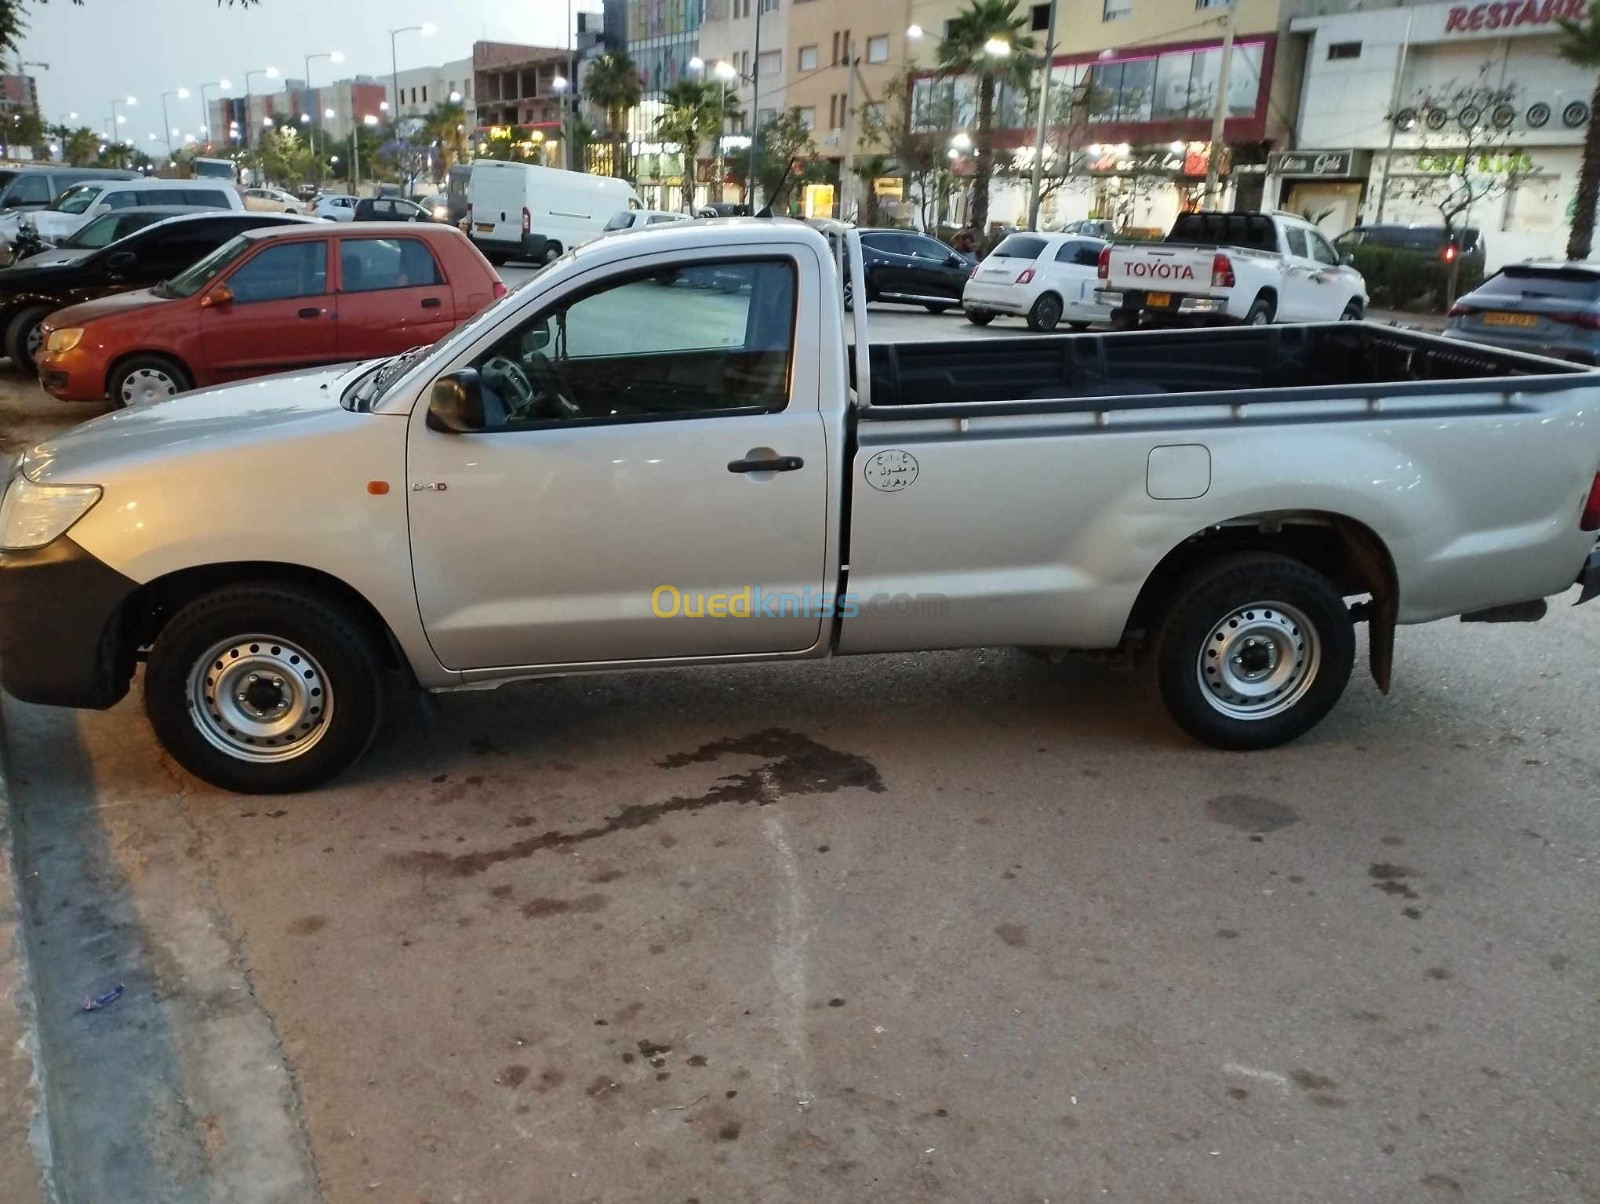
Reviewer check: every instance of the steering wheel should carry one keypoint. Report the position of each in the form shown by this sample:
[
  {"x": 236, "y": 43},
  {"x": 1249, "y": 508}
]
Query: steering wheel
[{"x": 507, "y": 374}]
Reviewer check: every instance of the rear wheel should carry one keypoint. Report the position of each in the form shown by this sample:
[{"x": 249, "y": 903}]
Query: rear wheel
[
  {"x": 1046, "y": 312},
  {"x": 24, "y": 339},
  {"x": 147, "y": 378},
  {"x": 1261, "y": 312},
  {"x": 264, "y": 688},
  {"x": 980, "y": 317},
  {"x": 1352, "y": 312},
  {"x": 1255, "y": 651},
  {"x": 552, "y": 252}
]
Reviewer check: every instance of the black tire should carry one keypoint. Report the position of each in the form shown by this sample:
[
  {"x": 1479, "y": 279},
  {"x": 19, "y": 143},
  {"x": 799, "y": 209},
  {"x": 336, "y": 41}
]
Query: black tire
[
  {"x": 139, "y": 377},
  {"x": 1045, "y": 314},
  {"x": 1080, "y": 325},
  {"x": 287, "y": 621},
  {"x": 980, "y": 317},
  {"x": 1261, "y": 312},
  {"x": 849, "y": 294},
  {"x": 552, "y": 252},
  {"x": 1287, "y": 617},
  {"x": 936, "y": 309},
  {"x": 1353, "y": 312},
  {"x": 1124, "y": 319},
  {"x": 22, "y": 337},
  {"x": 496, "y": 259}
]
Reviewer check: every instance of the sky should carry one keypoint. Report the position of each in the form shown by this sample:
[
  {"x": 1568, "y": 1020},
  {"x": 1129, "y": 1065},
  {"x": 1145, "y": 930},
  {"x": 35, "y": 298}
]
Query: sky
[{"x": 110, "y": 49}]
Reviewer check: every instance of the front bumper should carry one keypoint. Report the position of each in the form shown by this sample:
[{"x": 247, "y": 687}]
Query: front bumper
[
  {"x": 60, "y": 627},
  {"x": 71, "y": 376}
]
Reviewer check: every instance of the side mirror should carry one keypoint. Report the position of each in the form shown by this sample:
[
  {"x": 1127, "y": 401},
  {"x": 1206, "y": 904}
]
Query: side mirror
[
  {"x": 1347, "y": 259},
  {"x": 121, "y": 261},
  {"x": 97, "y": 210},
  {"x": 218, "y": 296},
  {"x": 456, "y": 403},
  {"x": 955, "y": 261}
]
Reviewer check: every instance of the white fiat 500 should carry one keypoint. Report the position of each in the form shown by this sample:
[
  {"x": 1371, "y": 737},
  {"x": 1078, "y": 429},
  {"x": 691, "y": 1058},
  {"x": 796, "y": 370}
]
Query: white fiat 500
[{"x": 1045, "y": 278}]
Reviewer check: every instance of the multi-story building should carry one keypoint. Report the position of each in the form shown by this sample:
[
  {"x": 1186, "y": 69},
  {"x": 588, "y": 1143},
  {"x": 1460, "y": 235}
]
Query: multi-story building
[
  {"x": 239, "y": 120},
  {"x": 422, "y": 88},
  {"x": 523, "y": 86},
  {"x": 1408, "y": 111},
  {"x": 19, "y": 92}
]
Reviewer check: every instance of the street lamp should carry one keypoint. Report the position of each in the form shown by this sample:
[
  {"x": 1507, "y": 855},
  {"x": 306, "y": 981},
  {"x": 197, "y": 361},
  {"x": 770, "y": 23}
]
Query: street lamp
[
  {"x": 997, "y": 48},
  {"x": 116, "y": 117},
  {"x": 355, "y": 150},
  {"x": 724, "y": 71},
  {"x": 205, "y": 106},
  {"x": 1035, "y": 186},
  {"x": 426, "y": 29},
  {"x": 181, "y": 94},
  {"x": 559, "y": 83},
  {"x": 270, "y": 73}
]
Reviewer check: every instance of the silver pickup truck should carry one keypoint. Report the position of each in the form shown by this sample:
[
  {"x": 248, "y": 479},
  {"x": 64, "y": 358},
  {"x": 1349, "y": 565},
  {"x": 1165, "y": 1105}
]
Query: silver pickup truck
[{"x": 664, "y": 451}]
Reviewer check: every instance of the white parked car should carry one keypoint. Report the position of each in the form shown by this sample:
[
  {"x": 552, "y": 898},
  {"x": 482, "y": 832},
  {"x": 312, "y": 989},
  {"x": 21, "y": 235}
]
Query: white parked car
[
  {"x": 1045, "y": 278},
  {"x": 638, "y": 219},
  {"x": 334, "y": 206},
  {"x": 272, "y": 200},
  {"x": 1253, "y": 268},
  {"x": 83, "y": 202}
]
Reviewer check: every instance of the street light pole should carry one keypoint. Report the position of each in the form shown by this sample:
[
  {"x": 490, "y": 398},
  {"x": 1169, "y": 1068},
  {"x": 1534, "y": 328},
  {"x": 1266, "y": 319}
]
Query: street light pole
[
  {"x": 426, "y": 30},
  {"x": 1037, "y": 183},
  {"x": 117, "y": 120},
  {"x": 247, "y": 124},
  {"x": 166, "y": 122},
  {"x": 755, "y": 112},
  {"x": 205, "y": 105},
  {"x": 1219, "y": 113}
]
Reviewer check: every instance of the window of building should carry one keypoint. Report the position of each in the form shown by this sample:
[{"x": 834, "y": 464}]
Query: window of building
[
  {"x": 808, "y": 58},
  {"x": 872, "y": 115},
  {"x": 878, "y": 49},
  {"x": 769, "y": 6},
  {"x": 771, "y": 62},
  {"x": 1117, "y": 10},
  {"x": 1210, "y": 3},
  {"x": 1039, "y": 18},
  {"x": 1344, "y": 50},
  {"x": 768, "y": 116},
  {"x": 424, "y": 93},
  {"x": 836, "y": 48},
  {"x": 808, "y": 117}
]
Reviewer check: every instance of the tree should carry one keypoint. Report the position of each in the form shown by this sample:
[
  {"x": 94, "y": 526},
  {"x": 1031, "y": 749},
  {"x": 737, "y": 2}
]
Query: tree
[
  {"x": 694, "y": 111},
  {"x": 22, "y": 127},
  {"x": 79, "y": 147},
  {"x": 785, "y": 154},
  {"x": 1065, "y": 135},
  {"x": 611, "y": 84},
  {"x": 283, "y": 157},
  {"x": 445, "y": 128},
  {"x": 1580, "y": 45},
  {"x": 14, "y": 19},
  {"x": 916, "y": 137},
  {"x": 973, "y": 47}
]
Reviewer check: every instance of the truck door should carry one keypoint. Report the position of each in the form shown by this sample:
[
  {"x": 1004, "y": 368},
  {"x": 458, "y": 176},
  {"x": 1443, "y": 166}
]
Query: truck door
[
  {"x": 1297, "y": 297},
  {"x": 1331, "y": 285},
  {"x": 649, "y": 481}
]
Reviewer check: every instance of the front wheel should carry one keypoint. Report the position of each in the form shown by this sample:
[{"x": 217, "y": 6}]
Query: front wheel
[
  {"x": 146, "y": 378},
  {"x": 980, "y": 317},
  {"x": 264, "y": 688},
  {"x": 1255, "y": 651}
]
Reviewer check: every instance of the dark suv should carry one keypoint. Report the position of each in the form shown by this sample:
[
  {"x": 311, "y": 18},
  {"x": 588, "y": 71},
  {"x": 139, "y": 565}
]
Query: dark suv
[
  {"x": 905, "y": 267},
  {"x": 389, "y": 209},
  {"x": 34, "y": 289},
  {"x": 1466, "y": 242}
]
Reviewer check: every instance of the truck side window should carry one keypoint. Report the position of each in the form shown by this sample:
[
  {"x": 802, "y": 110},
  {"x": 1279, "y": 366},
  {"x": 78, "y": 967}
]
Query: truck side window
[
  {"x": 1321, "y": 251},
  {"x": 1295, "y": 238},
  {"x": 690, "y": 341}
]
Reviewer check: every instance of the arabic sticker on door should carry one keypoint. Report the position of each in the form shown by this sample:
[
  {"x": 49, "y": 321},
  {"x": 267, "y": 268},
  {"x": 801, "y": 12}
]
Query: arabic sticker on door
[{"x": 891, "y": 471}]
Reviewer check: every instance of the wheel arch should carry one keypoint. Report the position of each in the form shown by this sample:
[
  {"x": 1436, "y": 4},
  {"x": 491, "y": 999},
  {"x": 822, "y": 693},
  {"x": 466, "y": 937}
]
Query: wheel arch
[
  {"x": 158, "y": 352},
  {"x": 1345, "y": 550}
]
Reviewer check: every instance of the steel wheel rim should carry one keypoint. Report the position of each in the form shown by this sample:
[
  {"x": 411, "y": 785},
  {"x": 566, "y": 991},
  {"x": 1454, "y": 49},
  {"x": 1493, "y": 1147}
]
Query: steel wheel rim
[
  {"x": 1259, "y": 318},
  {"x": 148, "y": 384},
  {"x": 35, "y": 340},
  {"x": 259, "y": 698},
  {"x": 1258, "y": 661}
]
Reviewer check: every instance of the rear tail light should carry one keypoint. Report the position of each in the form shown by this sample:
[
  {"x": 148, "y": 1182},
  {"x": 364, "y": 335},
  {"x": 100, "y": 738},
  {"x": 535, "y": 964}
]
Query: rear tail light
[
  {"x": 973, "y": 275},
  {"x": 1027, "y": 275},
  {"x": 1104, "y": 268},
  {"x": 527, "y": 220},
  {"x": 1461, "y": 311},
  {"x": 469, "y": 213},
  {"x": 1584, "y": 320},
  {"x": 1221, "y": 271},
  {"x": 1590, "y": 519},
  {"x": 499, "y": 289},
  {"x": 1449, "y": 253}
]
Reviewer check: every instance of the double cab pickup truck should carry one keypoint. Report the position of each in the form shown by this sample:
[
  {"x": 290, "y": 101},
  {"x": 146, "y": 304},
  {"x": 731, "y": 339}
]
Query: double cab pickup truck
[
  {"x": 664, "y": 451},
  {"x": 1254, "y": 268}
]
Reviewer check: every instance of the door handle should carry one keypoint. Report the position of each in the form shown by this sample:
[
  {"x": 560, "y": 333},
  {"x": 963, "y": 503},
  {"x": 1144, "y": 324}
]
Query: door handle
[
  {"x": 430, "y": 303},
  {"x": 310, "y": 312},
  {"x": 780, "y": 464}
]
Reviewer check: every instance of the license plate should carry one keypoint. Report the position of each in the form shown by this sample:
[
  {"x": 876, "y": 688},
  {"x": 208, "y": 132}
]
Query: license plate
[
  {"x": 485, "y": 227},
  {"x": 1158, "y": 300},
  {"x": 1499, "y": 319}
]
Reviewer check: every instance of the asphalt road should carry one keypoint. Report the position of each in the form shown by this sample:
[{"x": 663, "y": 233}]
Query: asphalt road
[{"x": 959, "y": 926}]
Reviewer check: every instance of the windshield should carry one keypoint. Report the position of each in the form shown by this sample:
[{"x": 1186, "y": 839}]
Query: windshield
[
  {"x": 621, "y": 221},
  {"x": 1018, "y": 246},
  {"x": 76, "y": 199},
  {"x": 1569, "y": 284},
  {"x": 194, "y": 278},
  {"x": 100, "y": 232}
]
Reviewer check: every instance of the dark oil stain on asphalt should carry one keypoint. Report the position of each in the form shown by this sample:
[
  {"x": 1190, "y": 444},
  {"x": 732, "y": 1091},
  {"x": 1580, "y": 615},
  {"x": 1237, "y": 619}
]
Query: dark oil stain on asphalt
[
  {"x": 1391, "y": 879},
  {"x": 729, "y": 1131},
  {"x": 1250, "y": 812},
  {"x": 306, "y": 925},
  {"x": 603, "y": 1089},
  {"x": 1238, "y": 1093},
  {"x": 654, "y": 1053},
  {"x": 1319, "y": 1086},
  {"x": 795, "y": 765},
  {"x": 538, "y": 909},
  {"x": 1437, "y": 1182},
  {"x": 1014, "y": 935},
  {"x": 514, "y": 1076}
]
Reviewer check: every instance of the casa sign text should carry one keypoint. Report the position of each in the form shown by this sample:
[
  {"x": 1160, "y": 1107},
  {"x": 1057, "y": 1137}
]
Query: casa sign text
[{"x": 1512, "y": 13}]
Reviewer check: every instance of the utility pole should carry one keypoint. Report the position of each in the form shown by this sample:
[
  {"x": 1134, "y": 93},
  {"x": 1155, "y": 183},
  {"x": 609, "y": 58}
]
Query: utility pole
[
  {"x": 1037, "y": 183},
  {"x": 1219, "y": 114},
  {"x": 568, "y": 120},
  {"x": 847, "y": 176},
  {"x": 755, "y": 112},
  {"x": 1394, "y": 107}
]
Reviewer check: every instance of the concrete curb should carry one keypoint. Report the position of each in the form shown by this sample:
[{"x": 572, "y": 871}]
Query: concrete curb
[{"x": 25, "y": 1174}]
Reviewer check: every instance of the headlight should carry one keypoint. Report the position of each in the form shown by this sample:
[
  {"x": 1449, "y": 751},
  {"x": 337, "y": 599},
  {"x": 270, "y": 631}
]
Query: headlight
[
  {"x": 32, "y": 515},
  {"x": 64, "y": 340}
]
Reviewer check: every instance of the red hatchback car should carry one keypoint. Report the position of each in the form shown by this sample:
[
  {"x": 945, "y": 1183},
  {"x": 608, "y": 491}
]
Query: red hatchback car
[{"x": 272, "y": 300}]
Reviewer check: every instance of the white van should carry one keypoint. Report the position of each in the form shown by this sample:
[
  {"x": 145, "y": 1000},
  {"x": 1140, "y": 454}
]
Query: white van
[{"x": 519, "y": 211}]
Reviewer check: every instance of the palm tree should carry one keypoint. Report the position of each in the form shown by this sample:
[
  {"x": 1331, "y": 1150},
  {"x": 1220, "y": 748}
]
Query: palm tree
[
  {"x": 445, "y": 127},
  {"x": 611, "y": 84},
  {"x": 1580, "y": 45},
  {"x": 694, "y": 111},
  {"x": 986, "y": 41}
]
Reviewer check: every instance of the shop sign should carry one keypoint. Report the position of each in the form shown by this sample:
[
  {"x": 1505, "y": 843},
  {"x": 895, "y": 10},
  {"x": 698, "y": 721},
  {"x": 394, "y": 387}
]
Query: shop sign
[
  {"x": 1309, "y": 163},
  {"x": 1505, "y": 164},
  {"x": 889, "y": 188},
  {"x": 1474, "y": 18},
  {"x": 818, "y": 200}
]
